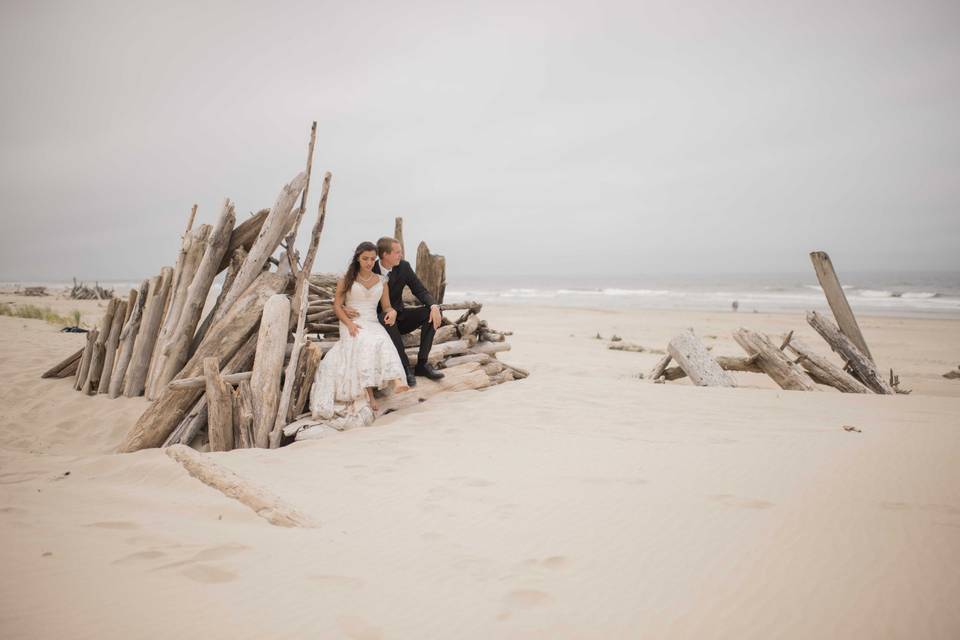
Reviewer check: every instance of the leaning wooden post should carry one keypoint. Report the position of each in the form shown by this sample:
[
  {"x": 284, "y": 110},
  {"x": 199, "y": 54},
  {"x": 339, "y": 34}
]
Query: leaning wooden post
[
  {"x": 280, "y": 421},
  {"x": 193, "y": 215},
  {"x": 128, "y": 338},
  {"x": 92, "y": 382},
  {"x": 263, "y": 503},
  {"x": 69, "y": 362},
  {"x": 303, "y": 277},
  {"x": 837, "y": 300},
  {"x": 113, "y": 340},
  {"x": 147, "y": 337},
  {"x": 398, "y": 234},
  {"x": 292, "y": 236},
  {"x": 85, "y": 360},
  {"x": 223, "y": 340},
  {"x": 306, "y": 370},
  {"x": 177, "y": 350},
  {"x": 861, "y": 366},
  {"x": 268, "y": 365},
  {"x": 274, "y": 227},
  {"x": 219, "y": 407}
]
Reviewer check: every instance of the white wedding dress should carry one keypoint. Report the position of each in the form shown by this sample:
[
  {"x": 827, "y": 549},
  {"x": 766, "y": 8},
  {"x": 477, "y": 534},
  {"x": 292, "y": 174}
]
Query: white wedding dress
[{"x": 339, "y": 395}]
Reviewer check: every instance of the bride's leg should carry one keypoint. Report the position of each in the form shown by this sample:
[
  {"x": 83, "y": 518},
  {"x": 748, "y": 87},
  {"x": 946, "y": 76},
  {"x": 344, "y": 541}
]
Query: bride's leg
[{"x": 374, "y": 405}]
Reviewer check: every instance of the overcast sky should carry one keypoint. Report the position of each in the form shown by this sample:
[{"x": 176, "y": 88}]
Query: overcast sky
[{"x": 570, "y": 138}]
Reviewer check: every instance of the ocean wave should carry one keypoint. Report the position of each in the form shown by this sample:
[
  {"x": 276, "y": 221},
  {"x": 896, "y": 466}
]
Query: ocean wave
[
  {"x": 920, "y": 295},
  {"x": 640, "y": 292},
  {"x": 875, "y": 293}
]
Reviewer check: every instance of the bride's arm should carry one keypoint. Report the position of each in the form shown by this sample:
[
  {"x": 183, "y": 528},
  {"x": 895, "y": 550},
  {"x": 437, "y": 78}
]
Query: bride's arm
[
  {"x": 389, "y": 313},
  {"x": 339, "y": 299}
]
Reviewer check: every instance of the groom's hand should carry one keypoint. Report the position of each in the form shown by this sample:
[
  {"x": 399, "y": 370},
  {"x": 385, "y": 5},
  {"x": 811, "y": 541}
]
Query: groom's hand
[
  {"x": 351, "y": 312},
  {"x": 435, "y": 316},
  {"x": 390, "y": 317}
]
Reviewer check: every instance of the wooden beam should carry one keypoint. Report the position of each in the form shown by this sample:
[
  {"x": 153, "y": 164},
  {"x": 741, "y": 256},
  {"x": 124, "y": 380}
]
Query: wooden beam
[{"x": 837, "y": 300}]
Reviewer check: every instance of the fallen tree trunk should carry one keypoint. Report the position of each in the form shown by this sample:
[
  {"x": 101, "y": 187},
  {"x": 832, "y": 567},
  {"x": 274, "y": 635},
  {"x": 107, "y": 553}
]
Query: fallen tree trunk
[
  {"x": 223, "y": 340},
  {"x": 201, "y": 381},
  {"x": 787, "y": 374},
  {"x": 264, "y": 504},
  {"x": 860, "y": 365}
]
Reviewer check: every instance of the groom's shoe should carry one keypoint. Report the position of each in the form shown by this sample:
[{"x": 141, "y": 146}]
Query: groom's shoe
[
  {"x": 427, "y": 371},
  {"x": 411, "y": 379}
]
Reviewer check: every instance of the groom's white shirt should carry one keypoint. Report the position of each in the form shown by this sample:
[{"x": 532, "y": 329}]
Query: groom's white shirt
[{"x": 384, "y": 271}]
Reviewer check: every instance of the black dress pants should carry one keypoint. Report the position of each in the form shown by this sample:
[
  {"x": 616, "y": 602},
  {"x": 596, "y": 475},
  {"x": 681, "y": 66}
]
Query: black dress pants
[{"x": 408, "y": 321}]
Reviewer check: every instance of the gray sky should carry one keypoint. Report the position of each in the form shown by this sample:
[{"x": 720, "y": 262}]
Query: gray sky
[{"x": 556, "y": 137}]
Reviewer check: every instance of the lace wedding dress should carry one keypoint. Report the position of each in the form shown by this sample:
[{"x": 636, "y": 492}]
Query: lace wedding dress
[{"x": 339, "y": 396}]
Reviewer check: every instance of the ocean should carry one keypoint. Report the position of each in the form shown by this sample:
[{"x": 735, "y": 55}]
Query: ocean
[{"x": 915, "y": 294}]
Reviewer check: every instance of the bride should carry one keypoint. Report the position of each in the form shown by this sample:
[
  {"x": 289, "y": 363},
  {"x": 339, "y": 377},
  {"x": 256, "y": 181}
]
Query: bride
[{"x": 364, "y": 358}]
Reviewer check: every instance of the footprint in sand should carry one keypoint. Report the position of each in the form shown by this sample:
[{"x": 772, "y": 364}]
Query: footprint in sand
[
  {"x": 733, "y": 501},
  {"x": 140, "y": 556},
  {"x": 527, "y": 598},
  {"x": 114, "y": 524},
  {"x": 554, "y": 563},
  {"x": 219, "y": 552},
  {"x": 336, "y": 582},
  {"x": 357, "y": 628},
  {"x": 208, "y": 574}
]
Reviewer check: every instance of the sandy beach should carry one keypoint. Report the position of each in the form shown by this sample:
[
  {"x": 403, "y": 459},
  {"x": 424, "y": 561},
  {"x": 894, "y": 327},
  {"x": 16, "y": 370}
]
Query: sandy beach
[{"x": 582, "y": 502}]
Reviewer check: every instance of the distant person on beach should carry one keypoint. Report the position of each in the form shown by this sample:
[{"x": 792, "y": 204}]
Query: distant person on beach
[{"x": 364, "y": 358}]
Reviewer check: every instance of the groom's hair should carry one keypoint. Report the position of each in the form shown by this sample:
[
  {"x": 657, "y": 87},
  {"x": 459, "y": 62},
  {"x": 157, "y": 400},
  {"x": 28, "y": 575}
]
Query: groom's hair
[{"x": 385, "y": 245}]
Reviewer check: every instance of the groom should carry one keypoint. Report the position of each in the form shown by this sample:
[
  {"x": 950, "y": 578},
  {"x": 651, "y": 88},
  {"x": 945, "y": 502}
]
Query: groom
[{"x": 427, "y": 318}]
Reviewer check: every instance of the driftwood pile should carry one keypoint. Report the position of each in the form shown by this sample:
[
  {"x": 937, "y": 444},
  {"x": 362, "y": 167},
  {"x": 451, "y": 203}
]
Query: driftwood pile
[
  {"x": 790, "y": 362},
  {"x": 83, "y": 292},
  {"x": 242, "y": 372}
]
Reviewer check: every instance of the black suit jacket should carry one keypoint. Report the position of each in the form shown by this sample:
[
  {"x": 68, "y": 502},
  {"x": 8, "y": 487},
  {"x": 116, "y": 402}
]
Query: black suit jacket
[{"x": 402, "y": 276}]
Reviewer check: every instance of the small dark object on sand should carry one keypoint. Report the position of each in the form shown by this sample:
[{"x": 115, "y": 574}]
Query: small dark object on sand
[
  {"x": 848, "y": 427},
  {"x": 73, "y": 330},
  {"x": 953, "y": 374}
]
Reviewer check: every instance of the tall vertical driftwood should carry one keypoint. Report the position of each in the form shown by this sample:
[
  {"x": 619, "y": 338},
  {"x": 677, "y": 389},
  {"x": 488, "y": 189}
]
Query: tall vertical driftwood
[
  {"x": 197, "y": 243},
  {"x": 244, "y": 235},
  {"x": 128, "y": 337},
  {"x": 696, "y": 361},
  {"x": 398, "y": 233},
  {"x": 236, "y": 261},
  {"x": 84, "y": 367},
  {"x": 821, "y": 369},
  {"x": 92, "y": 382},
  {"x": 177, "y": 349},
  {"x": 131, "y": 302},
  {"x": 274, "y": 228},
  {"x": 283, "y": 406},
  {"x": 859, "y": 364},
  {"x": 219, "y": 407},
  {"x": 837, "y": 300},
  {"x": 774, "y": 362},
  {"x": 262, "y": 502},
  {"x": 303, "y": 278},
  {"x": 223, "y": 340},
  {"x": 303, "y": 380},
  {"x": 243, "y": 414},
  {"x": 113, "y": 340},
  {"x": 432, "y": 271},
  {"x": 268, "y": 365},
  {"x": 147, "y": 336},
  {"x": 292, "y": 235}
]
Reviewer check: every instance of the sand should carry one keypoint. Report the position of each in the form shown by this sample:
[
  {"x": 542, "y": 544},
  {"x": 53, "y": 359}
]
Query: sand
[{"x": 582, "y": 502}]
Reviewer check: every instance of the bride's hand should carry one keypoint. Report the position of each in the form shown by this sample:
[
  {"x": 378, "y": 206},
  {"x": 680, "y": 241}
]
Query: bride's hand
[
  {"x": 354, "y": 329},
  {"x": 390, "y": 317}
]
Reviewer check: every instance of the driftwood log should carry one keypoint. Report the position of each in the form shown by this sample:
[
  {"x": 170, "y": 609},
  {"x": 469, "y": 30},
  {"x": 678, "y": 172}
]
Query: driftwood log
[
  {"x": 861, "y": 366},
  {"x": 128, "y": 337},
  {"x": 693, "y": 357},
  {"x": 92, "y": 383},
  {"x": 69, "y": 362},
  {"x": 432, "y": 272},
  {"x": 268, "y": 366},
  {"x": 264, "y": 504},
  {"x": 147, "y": 336},
  {"x": 223, "y": 340},
  {"x": 822, "y": 370},
  {"x": 786, "y": 373},
  {"x": 837, "y": 300},
  {"x": 113, "y": 341},
  {"x": 727, "y": 363},
  {"x": 219, "y": 407},
  {"x": 84, "y": 367}
]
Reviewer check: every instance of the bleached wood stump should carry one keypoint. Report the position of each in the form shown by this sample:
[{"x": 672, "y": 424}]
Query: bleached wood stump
[{"x": 268, "y": 365}]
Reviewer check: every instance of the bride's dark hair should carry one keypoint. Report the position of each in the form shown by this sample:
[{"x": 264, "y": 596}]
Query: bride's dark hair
[{"x": 351, "y": 275}]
